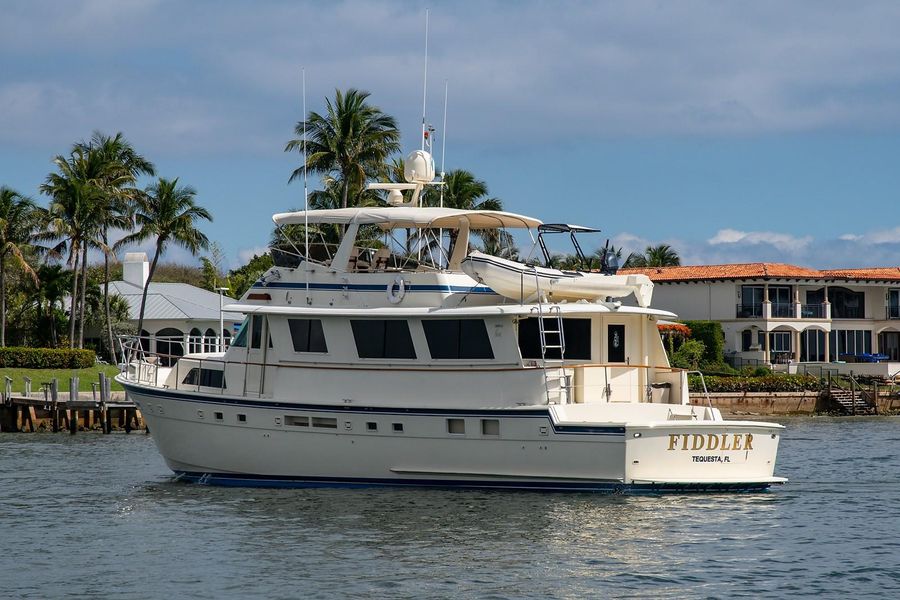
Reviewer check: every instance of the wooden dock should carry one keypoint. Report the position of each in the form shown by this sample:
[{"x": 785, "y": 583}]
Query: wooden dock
[{"x": 48, "y": 410}]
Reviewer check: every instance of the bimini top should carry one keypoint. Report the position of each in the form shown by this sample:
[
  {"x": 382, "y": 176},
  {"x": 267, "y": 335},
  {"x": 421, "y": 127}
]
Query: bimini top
[{"x": 409, "y": 217}]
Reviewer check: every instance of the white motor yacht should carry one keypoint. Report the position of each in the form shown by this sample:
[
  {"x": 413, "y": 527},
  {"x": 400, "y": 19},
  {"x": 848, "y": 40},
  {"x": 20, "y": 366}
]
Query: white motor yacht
[{"x": 383, "y": 359}]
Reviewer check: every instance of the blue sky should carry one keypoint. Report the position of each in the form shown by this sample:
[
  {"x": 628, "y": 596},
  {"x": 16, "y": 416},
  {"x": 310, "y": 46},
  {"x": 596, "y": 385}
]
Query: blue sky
[{"x": 736, "y": 132}]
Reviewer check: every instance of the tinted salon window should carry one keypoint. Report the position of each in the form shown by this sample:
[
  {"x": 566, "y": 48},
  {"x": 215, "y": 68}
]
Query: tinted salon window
[
  {"x": 577, "y": 333},
  {"x": 457, "y": 339},
  {"x": 383, "y": 339},
  {"x": 307, "y": 335}
]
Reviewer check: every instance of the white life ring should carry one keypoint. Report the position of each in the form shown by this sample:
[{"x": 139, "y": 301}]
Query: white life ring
[{"x": 396, "y": 290}]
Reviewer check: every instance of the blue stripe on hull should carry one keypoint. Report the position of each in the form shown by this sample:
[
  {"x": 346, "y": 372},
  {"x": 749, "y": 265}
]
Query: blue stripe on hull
[{"x": 275, "y": 481}]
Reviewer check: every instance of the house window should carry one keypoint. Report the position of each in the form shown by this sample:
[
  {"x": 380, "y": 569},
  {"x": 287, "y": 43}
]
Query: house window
[
  {"x": 782, "y": 303},
  {"x": 812, "y": 345},
  {"x": 751, "y": 301},
  {"x": 576, "y": 331},
  {"x": 383, "y": 338},
  {"x": 845, "y": 303},
  {"x": 780, "y": 341},
  {"x": 457, "y": 339},
  {"x": 307, "y": 335},
  {"x": 749, "y": 342},
  {"x": 850, "y": 342}
]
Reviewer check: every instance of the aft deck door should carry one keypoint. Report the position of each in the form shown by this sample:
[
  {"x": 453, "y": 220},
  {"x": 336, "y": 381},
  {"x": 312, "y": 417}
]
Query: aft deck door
[{"x": 618, "y": 349}]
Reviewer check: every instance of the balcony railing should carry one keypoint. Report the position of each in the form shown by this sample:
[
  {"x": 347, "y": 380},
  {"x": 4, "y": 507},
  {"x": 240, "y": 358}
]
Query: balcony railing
[
  {"x": 812, "y": 311},
  {"x": 749, "y": 311},
  {"x": 783, "y": 310}
]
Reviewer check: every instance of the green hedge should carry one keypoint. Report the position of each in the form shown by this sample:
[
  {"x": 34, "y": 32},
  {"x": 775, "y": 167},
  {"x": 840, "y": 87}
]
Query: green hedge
[
  {"x": 713, "y": 338},
  {"x": 767, "y": 383},
  {"x": 46, "y": 358}
]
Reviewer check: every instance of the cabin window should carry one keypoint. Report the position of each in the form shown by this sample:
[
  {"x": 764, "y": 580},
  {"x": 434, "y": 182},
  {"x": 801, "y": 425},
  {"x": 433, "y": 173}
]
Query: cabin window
[
  {"x": 576, "y": 331},
  {"x": 457, "y": 339},
  {"x": 256, "y": 331},
  {"x": 615, "y": 351},
  {"x": 326, "y": 422},
  {"x": 383, "y": 339},
  {"x": 307, "y": 335},
  {"x": 490, "y": 427},
  {"x": 219, "y": 416},
  {"x": 204, "y": 377},
  {"x": 294, "y": 421},
  {"x": 397, "y": 427},
  {"x": 456, "y": 426},
  {"x": 240, "y": 341},
  {"x": 371, "y": 426},
  {"x": 242, "y": 418}
]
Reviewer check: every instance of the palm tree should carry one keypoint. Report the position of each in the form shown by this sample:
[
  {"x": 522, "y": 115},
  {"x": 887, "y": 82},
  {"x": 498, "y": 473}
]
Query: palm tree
[
  {"x": 351, "y": 142},
  {"x": 74, "y": 215},
  {"x": 120, "y": 167},
  {"x": 19, "y": 220},
  {"x": 661, "y": 255},
  {"x": 169, "y": 214}
]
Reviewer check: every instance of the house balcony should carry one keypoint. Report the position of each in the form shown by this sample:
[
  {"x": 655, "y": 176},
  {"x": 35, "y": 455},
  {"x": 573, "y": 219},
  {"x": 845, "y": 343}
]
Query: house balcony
[{"x": 784, "y": 310}]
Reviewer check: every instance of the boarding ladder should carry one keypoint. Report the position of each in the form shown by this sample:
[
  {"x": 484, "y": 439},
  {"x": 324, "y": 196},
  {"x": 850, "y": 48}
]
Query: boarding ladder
[{"x": 552, "y": 338}]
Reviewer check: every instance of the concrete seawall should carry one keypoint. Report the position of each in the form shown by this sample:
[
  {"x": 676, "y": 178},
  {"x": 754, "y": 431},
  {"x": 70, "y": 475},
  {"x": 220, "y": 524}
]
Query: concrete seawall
[{"x": 779, "y": 403}]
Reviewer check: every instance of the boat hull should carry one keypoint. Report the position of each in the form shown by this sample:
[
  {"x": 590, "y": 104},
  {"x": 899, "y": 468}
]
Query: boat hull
[{"x": 223, "y": 440}]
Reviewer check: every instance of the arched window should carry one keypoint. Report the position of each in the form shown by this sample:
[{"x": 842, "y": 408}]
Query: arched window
[
  {"x": 210, "y": 340},
  {"x": 169, "y": 345},
  {"x": 194, "y": 341}
]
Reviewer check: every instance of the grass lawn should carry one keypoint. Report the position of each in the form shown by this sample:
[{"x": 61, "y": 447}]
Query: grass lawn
[{"x": 38, "y": 376}]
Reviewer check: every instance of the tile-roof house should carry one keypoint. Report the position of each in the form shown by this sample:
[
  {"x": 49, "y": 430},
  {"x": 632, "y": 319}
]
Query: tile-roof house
[
  {"x": 174, "y": 310},
  {"x": 776, "y": 312}
]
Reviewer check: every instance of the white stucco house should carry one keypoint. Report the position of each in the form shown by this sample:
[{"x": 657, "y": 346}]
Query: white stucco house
[
  {"x": 179, "y": 317},
  {"x": 781, "y": 313}
]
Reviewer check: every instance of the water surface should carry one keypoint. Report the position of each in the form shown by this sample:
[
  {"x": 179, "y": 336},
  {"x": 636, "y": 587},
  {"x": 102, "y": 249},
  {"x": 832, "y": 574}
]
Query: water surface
[{"x": 99, "y": 516}]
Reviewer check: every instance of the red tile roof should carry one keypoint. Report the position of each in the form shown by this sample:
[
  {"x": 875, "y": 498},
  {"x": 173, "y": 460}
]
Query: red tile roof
[{"x": 760, "y": 271}]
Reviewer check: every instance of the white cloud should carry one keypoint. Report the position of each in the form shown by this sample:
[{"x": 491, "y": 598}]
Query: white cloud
[
  {"x": 537, "y": 73},
  {"x": 784, "y": 242}
]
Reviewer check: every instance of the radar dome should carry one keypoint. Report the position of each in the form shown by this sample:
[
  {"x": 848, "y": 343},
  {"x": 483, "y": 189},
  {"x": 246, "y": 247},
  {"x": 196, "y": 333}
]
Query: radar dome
[{"x": 418, "y": 167}]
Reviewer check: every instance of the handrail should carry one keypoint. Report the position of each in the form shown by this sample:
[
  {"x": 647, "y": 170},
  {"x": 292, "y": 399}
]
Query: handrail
[{"x": 705, "y": 390}]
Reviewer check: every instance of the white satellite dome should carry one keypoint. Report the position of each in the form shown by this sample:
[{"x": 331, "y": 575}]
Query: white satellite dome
[{"x": 418, "y": 167}]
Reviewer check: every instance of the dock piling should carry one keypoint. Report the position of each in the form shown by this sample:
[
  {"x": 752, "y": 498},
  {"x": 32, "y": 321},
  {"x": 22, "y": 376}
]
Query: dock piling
[{"x": 73, "y": 404}]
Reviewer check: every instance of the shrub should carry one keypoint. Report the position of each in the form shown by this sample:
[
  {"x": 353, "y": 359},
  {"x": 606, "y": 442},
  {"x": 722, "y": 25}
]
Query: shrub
[
  {"x": 713, "y": 338},
  {"x": 766, "y": 383},
  {"x": 46, "y": 358},
  {"x": 688, "y": 355}
]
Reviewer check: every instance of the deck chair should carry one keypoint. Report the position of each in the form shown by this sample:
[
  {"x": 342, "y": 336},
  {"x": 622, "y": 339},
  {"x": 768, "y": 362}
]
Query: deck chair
[{"x": 380, "y": 259}]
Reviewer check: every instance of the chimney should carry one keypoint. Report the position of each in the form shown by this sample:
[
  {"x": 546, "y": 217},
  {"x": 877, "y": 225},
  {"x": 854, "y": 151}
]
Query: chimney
[{"x": 136, "y": 269}]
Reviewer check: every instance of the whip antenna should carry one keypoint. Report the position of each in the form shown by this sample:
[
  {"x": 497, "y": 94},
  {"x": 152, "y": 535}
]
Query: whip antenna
[
  {"x": 443, "y": 155},
  {"x": 305, "y": 189},
  {"x": 425, "y": 83}
]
